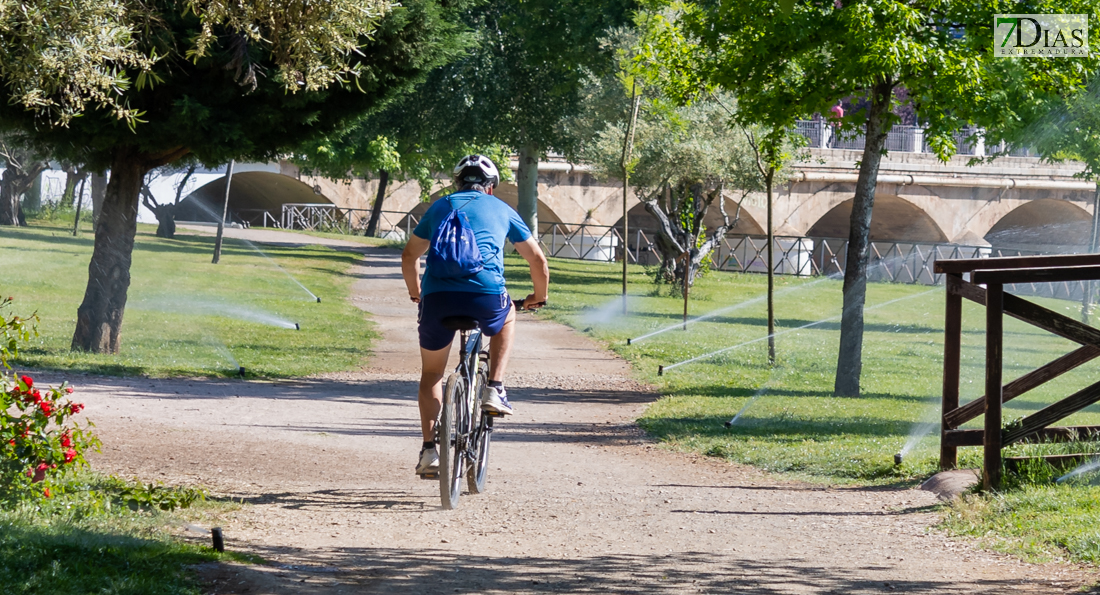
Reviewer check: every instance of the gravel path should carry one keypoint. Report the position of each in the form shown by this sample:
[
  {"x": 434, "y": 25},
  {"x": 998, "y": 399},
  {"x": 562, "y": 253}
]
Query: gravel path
[{"x": 579, "y": 500}]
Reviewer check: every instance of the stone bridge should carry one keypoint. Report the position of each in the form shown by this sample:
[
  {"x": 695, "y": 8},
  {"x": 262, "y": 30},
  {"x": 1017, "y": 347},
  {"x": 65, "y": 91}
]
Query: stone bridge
[{"x": 1016, "y": 202}]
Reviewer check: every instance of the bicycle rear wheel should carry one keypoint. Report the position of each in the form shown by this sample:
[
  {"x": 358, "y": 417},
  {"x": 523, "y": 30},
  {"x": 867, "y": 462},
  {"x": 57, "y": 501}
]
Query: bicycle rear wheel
[
  {"x": 479, "y": 469},
  {"x": 452, "y": 462}
]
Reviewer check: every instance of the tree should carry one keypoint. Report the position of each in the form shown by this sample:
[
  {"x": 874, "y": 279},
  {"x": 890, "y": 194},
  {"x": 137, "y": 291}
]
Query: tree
[
  {"x": 154, "y": 82},
  {"x": 686, "y": 160},
  {"x": 523, "y": 77},
  {"x": 22, "y": 168},
  {"x": 786, "y": 64}
]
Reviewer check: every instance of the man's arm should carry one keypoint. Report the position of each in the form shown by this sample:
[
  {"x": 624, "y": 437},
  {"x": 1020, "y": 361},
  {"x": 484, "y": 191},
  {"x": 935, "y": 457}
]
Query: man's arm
[
  {"x": 410, "y": 264},
  {"x": 540, "y": 272}
]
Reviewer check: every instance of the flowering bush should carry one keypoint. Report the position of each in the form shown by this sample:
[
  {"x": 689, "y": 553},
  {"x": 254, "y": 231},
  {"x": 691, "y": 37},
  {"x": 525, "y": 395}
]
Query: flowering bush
[{"x": 38, "y": 439}]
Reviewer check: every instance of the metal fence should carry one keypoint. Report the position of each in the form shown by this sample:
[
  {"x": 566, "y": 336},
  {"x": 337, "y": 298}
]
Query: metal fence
[{"x": 891, "y": 261}]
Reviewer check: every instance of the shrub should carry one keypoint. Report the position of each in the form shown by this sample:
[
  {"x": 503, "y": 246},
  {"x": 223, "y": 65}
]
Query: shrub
[{"x": 38, "y": 439}]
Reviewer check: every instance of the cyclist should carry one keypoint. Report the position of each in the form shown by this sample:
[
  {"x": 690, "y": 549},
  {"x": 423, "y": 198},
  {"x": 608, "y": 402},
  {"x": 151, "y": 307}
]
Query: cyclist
[{"x": 481, "y": 296}]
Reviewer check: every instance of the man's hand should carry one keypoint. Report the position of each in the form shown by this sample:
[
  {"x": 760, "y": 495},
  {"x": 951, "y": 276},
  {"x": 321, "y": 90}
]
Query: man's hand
[{"x": 533, "y": 302}]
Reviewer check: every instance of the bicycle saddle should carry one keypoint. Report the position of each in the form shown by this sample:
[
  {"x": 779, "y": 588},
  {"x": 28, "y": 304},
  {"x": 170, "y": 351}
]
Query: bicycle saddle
[{"x": 459, "y": 323}]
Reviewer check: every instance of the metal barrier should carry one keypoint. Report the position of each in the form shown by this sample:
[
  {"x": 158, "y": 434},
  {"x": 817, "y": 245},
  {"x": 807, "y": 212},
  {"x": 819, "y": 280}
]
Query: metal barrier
[{"x": 892, "y": 262}]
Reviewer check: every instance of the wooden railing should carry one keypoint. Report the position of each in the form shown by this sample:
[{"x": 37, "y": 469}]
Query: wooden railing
[{"x": 994, "y": 274}]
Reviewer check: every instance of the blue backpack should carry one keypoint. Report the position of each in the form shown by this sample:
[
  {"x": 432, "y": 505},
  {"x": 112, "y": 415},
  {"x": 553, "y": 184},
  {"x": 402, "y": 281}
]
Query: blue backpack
[{"x": 454, "y": 252}]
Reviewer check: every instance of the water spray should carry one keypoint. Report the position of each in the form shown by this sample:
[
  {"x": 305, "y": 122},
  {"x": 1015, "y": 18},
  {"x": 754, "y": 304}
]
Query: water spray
[{"x": 791, "y": 330}]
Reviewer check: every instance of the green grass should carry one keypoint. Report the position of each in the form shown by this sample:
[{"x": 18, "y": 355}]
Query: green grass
[
  {"x": 185, "y": 316},
  {"x": 1038, "y": 522},
  {"x": 71, "y": 545},
  {"x": 795, "y": 425}
]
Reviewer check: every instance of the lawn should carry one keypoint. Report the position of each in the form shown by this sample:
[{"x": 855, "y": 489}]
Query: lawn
[
  {"x": 186, "y": 316},
  {"x": 86, "y": 540}
]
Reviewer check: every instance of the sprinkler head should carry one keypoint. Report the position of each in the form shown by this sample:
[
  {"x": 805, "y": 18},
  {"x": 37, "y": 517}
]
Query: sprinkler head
[
  {"x": 897, "y": 459},
  {"x": 297, "y": 327},
  {"x": 729, "y": 424},
  {"x": 628, "y": 341},
  {"x": 240, "y": 371},
  {"x": 318, "y": 300},
  {"x": 660, "y": 370}
]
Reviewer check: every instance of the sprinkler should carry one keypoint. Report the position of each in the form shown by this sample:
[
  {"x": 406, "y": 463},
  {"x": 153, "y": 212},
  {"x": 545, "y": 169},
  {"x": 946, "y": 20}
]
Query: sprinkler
[
  {"x": 897, "y": 459},
  {"x": 297, "y": 327},
  {"x": 628, "y": 341},
  {"x": 318, "y": 300},
  {"x": 660, "y": 370},
  {"x": 240, "y": 371},
  {"x": 729, "y": 424}
]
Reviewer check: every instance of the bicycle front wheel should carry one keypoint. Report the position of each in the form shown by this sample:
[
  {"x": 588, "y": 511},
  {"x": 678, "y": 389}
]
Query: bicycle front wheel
[{"x": 452, "y": 462}]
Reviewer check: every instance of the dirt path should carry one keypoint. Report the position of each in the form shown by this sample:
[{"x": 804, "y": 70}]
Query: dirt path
[{"x": 579, "y": 500}]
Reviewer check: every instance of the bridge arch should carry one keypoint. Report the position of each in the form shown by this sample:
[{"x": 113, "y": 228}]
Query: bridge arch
[
  {"x": 893, "y": 219},
  {"x": 250, "y": 191},
  {"x": 1046, "y": 225}
]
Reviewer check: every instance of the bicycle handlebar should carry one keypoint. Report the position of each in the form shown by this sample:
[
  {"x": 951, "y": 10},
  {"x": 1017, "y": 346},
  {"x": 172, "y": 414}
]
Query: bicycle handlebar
[{"x": 520, "y": 306}]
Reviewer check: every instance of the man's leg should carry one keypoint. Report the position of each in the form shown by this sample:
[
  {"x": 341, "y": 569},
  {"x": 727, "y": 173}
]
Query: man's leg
[
  {"x": 430, "y": 396},
  {"x": 500, "y": 348}
]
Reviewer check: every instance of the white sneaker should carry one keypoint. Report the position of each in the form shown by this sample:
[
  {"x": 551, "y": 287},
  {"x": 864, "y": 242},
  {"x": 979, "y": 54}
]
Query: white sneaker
[
  {"x": 429, "y": 462},
  {"x": 495, "y": 400}
]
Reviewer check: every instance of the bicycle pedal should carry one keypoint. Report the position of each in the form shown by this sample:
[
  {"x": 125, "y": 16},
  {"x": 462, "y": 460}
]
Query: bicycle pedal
[
  {"x": 494, "y": 413},
  {"x": 428, "y": 475}
]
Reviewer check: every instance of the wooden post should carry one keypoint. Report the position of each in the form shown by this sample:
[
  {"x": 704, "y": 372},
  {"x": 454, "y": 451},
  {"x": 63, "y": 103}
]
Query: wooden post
[
  {"x": 225, "y": 211},
  {"x": 79, "y": 203},
  {"x": 952, "y": 347},
  {"x": 994, "y": 325}
]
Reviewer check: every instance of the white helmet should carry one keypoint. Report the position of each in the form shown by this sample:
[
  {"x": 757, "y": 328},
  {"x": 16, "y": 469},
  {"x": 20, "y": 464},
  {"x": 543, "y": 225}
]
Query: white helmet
[{"x": 476, "y": 169}]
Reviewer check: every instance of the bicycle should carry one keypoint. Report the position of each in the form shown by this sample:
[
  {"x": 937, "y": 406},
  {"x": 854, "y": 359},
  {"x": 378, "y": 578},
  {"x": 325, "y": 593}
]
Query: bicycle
[{"x": 464, "y": 430}]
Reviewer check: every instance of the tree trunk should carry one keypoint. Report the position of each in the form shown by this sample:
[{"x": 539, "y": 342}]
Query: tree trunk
[
  {"x": 99, "y": 318},
  {"x": 850, "y": 358},
  {"x": 9, "y": 199},
  {"x": 14, "y": 182},
  {"x": 73, "y": 176},
  {"x": 376, "y": 208},
  {"x": 99, "y": 192},
  {"x": 1094, "y": 244},
  {"x": 527, "y": 185},
  {"x": 32, "y": 197}
]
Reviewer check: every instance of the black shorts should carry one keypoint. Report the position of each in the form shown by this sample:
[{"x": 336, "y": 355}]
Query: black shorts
[{"x": 490, "y": 311}]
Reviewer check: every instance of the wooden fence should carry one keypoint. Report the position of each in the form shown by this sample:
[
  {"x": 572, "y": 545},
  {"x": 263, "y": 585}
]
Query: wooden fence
[{"x": 994, "y": 274}]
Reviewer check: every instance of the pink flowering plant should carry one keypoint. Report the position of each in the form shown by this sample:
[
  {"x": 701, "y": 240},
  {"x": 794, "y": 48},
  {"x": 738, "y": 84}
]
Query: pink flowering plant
[{"x": 39, "y": 441}]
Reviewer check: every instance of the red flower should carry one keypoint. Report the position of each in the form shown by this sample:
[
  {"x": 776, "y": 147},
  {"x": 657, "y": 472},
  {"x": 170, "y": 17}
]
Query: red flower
[
  {"x": 46, "y": 493},
  {"x": 42, "y": 467},
  {"x": 12, "y": 442},
  {"x": 27, "y": 380},
  {"x": 75, "y": 408},
  {"x": 70, "y": 455},
  {"x": 66, "y": 440},
  {"x": 46, "y": 406},
  {"x": 69, "y": 389}
]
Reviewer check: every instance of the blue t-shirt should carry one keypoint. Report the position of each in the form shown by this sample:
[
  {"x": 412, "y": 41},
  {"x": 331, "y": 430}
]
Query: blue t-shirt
[{"x": 493, "y": 221}]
